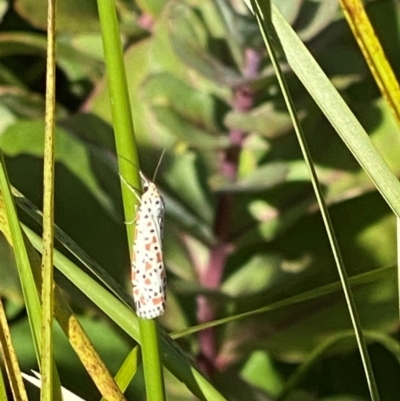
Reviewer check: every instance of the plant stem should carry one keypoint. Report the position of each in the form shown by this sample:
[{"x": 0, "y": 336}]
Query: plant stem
[{"x": 243, "y": 100}]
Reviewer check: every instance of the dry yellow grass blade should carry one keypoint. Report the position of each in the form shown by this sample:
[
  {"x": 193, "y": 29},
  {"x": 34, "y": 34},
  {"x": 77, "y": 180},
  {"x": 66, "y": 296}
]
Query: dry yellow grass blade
[
  {"x": 373, "y": 53},
  {"x": 10, "y": 359},
  {"x": 70, "y": 325}
]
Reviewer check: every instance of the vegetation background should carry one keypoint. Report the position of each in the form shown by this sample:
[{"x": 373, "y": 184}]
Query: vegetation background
[{"x": 242, "y": 227}]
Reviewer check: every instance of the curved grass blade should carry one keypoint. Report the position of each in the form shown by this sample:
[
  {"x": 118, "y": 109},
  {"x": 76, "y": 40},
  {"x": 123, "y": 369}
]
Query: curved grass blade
[
  {"x": 71, "y": 246},
  {"x": 175, "y": 360},
  {"x": 85, "y": 350},
  {"x": 337, "y": 112},
  {"x": 378, "y": 64},
  {"x": 322, "y": 349},
  {"x": 128, "y": 369},
  {"x": 373, "y": 53},
  {"x": 316, "y": 293},
  {"x": 268, "y": 31},
  {"x": 10, "y": 362},
  {"x": 9, "y": 225},
  {"x": 71, "y": 326}
]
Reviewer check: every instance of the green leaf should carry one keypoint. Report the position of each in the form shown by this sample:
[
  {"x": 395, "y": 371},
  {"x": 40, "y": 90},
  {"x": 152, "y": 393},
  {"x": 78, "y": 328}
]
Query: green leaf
[
  {"x": 188, "y": 37},
  {"x": 259, "y": 371},
  {"x": 71, "y": 16},
  {"x": 27, "y": 137}
]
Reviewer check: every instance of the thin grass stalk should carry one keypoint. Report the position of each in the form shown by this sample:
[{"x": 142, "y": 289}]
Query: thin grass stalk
[
  {"x": 267, "y": 31},
  {"x": 379, "y": 66},
  {"x": 316, "y": 293},
  {"x": 128, "y": 164},
  {"x": 47, "y": 390},
  {"x": 338, "y": 113}
]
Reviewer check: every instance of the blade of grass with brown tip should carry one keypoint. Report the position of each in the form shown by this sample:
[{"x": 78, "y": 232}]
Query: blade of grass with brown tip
[
  {"x": 10, "y": 360},
  {"x": 70, "y": 325}
]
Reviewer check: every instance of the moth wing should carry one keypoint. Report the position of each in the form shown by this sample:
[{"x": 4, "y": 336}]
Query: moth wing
[{"x": 148, "y": 276}]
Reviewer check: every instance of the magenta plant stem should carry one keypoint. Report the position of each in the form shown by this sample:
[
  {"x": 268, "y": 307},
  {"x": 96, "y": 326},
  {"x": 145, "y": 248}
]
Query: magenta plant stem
[{"x": 243, "y": 99}]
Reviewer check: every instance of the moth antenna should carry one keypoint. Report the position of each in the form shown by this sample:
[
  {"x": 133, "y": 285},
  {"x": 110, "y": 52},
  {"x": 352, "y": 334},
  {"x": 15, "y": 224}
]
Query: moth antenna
[{"x": 159, "y": 164}]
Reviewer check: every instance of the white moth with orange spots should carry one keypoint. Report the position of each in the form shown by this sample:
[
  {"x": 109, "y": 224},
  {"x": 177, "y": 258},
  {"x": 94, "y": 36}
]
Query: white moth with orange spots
[{"x": 148, "y": 272}]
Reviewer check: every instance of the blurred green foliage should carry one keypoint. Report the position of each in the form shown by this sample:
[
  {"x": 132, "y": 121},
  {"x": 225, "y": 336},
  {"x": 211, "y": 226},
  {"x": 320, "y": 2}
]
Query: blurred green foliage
[{"x": 242, "y": 230}]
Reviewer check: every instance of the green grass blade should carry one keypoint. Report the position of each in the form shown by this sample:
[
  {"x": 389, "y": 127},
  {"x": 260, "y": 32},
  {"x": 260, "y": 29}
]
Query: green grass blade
[
  {"x": 71, "y": 246},
  {"x": 64, "y": 315},
  {"x": 128, "y": 166},
  {"x": 89, "y": 263},
  {"x": 315, "y": 293},
  {"x": 323, "y": 349},
  {"x": 128, "y": 160},
  {"x": 127, "y": 370},
  {"x": 12, "y": 231},
  {"x": 337, "y": 112},
  {"x": 151, "y": 359},
  {"x": 174, "y": 358},
  {"x": 268, "y": 32},
  {"x": 28, "y": 286}
]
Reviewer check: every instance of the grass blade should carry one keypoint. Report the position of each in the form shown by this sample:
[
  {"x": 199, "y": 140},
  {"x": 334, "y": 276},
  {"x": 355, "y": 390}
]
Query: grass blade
[
  {"x": 373, "y": 53},
  {"x": 128, "y": 165},
  {"x": 175, "y": 360},
  {"x": 268, "y": 32},
  {"x": 303, "y": 297},
  {"x": 337, "y": 112},
  {"x": 48, "y": 390},
  {"x": 128, "y": 369},
  {"x": 71, "y": 326},
  {"x": 12, "y": 231},
  {"x": 10, "y": 361}
]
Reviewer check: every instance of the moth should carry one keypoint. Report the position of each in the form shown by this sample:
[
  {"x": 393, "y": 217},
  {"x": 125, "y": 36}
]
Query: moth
[{"x": 148, "y": 271}]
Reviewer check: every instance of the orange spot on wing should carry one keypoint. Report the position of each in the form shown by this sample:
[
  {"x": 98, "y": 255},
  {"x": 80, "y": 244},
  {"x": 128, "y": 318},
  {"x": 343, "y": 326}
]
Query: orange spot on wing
[{"x": 157, "y": 301}]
